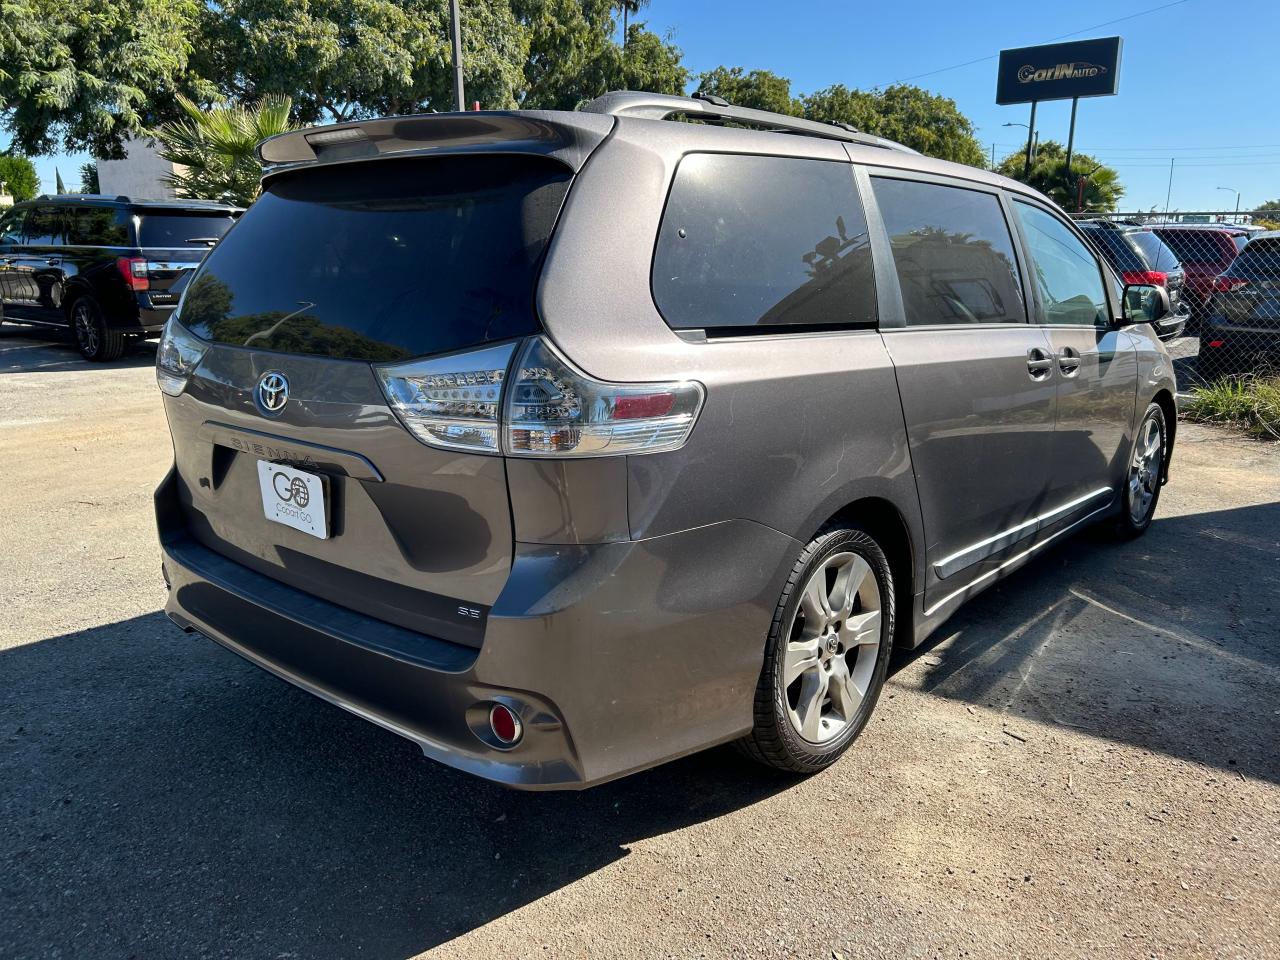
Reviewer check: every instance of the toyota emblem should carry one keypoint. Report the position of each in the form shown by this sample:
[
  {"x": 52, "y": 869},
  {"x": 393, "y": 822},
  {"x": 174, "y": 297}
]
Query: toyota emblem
[{"x": 273, "y": 392}]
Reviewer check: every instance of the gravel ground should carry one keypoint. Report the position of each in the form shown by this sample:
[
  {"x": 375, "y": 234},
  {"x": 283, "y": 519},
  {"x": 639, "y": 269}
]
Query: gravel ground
[{"x": 1083, "y": 763}]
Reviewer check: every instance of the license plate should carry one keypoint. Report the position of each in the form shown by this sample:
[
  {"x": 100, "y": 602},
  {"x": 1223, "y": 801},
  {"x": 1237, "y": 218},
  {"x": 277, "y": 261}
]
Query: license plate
[{"x": 294, "y": 498}]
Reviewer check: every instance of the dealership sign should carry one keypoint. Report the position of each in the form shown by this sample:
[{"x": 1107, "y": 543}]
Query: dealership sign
[{"x": 1059, "y": 71}]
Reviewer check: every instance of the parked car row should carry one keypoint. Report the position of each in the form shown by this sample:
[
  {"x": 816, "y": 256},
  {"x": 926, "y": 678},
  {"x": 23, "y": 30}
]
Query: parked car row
[
  {"x": 1223, "y": 281},
  {"x": 103, "y": 267}
]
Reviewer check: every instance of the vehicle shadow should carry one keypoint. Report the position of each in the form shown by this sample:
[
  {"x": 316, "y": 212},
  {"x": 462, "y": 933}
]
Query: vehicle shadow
[
  {"x": 163, "y": 798},
  {"x": 27, "y": 350},
  {"x": 1168, "y": 643}
]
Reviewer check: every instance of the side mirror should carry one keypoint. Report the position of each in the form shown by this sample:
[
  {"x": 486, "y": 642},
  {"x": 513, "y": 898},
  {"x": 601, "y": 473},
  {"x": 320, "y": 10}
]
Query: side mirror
[{"x": 1144, "y": 303}]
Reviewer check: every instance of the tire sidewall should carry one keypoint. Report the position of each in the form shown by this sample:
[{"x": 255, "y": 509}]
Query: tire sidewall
[
  {"x": 95, "y": 318},
  {"x": 846, "y": 540},
  {"x": 1154, "y": 410}
]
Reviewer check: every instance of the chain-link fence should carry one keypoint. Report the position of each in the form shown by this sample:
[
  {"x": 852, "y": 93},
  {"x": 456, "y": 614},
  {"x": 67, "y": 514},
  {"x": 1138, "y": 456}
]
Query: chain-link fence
[{"x": 1222, "y": 273}]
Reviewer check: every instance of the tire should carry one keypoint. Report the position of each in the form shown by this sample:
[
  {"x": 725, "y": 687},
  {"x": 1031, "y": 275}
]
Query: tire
[
  {"x": 1143, "y": 481},
  {"x": 94, "y": 339},
  {"x": 849, "y": 647}
]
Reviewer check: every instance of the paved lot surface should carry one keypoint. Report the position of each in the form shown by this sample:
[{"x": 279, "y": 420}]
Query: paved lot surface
[{"x": 1083, "y": 764}]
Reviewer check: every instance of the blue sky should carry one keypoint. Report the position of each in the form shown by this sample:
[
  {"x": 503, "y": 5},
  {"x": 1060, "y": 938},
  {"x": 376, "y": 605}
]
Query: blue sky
[{"x": 1197, "y": 81}]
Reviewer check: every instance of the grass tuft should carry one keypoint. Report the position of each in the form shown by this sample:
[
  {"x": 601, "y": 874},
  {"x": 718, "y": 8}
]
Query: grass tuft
[{"x": 1249, "y": 403}]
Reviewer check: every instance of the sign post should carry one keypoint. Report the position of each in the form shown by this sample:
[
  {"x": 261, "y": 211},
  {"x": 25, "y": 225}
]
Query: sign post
[{"x": 1058, "y": 71}]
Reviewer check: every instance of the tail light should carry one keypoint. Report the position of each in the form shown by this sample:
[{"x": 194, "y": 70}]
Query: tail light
[
  {"x": 545, "y": 407},
  {"x": 1225, "y": 284},
  {"x": 1156, "y": 278},
  {"x": 179, "y": 353},
  {"x": 134, "y": 271}
]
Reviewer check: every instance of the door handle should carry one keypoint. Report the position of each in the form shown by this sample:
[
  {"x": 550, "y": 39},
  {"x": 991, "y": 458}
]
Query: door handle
[
  {"x": 53, "y": 261},
  {"x": 1069, "y": 361},
  {"x": 1039, "y": 364}
]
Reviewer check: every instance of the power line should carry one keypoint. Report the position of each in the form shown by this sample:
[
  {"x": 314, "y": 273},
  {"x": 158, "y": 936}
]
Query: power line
[{"x": 993, "y": 56}]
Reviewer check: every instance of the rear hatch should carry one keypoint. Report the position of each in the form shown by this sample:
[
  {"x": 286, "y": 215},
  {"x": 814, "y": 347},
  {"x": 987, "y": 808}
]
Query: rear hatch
[
  {"x": 1247, "y": 295},
  {"x": 174, "y": 240},
  {"x": 333, "y": 270}
]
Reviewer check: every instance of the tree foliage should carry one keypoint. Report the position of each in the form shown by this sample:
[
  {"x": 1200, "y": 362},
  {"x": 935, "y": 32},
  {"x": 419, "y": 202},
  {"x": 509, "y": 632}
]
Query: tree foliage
[
  {"x": 1048, "y": 174},
  {"x": 89, "y": 178},
  {"x": 213, "y": 147},
  {"x": 19, "y": 176},
  {"x": 80, "y": 76},
  {"x": 757, "y": 89},
  {"x": 924, "y": 121}
]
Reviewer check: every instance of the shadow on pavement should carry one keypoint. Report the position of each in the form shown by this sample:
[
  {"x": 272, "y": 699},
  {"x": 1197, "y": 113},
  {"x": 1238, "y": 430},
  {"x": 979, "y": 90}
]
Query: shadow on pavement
[
  {"x": 1168, "y": 643},
  {"x": 28, "y": 350},
  {"x": 163, "y": 798}
]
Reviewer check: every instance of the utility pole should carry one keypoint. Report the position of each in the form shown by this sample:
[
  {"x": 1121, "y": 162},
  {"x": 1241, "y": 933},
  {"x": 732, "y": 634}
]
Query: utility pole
[
  {"x": 1169, "y": 192},
  {"x": 455, "y": 28},
  {"x": 993, "y": 156}
]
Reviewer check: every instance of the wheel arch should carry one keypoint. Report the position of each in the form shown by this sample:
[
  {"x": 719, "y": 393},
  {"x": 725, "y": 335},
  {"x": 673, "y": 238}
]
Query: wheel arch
[
  {"x": 75, "y": 289},
  {"x": 1170, "y": 409},
  {"x": 882, "y": 519}
]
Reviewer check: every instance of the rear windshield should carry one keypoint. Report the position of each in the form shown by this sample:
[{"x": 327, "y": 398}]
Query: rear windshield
[
  {"x": 383, "y": 260},
  {"x": 1260, "y": 259},
  {"x": 173, "y": 228},
  {"x": 1200, "y": 246},
  {"x": 1113, "y": 246},
  {"x": 1158, "y": 256}
]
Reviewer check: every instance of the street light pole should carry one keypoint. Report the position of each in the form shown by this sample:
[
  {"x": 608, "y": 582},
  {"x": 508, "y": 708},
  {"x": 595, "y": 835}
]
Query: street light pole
[
  {"x": 455, "y": 28},
  {"x": 1237, "y": 193},
  {"x": 1031, "y": 129}
]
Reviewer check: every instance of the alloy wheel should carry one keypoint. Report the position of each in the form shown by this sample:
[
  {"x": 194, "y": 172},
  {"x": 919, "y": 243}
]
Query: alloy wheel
[
  {"x": 86, "y": 329},
  {"x": 833, "y": 643},
  {"x": 1144, "y": 470}
]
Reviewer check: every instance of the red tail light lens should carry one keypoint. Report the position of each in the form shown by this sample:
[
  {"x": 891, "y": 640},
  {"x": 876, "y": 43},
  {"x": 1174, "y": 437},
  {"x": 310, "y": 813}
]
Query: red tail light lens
[
  {"x": 1157, "y": 278},
  {"x": 134, "y": 271},
  {"x": 1227, "y": 284}
]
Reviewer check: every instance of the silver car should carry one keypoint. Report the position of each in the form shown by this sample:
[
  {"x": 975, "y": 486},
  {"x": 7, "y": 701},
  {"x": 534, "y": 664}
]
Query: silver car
[{"x": 564, "y": 444}]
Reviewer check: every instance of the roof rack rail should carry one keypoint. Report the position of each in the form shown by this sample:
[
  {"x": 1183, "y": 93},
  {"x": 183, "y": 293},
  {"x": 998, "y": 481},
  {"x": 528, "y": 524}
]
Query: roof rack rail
[{"x": 661, "y": 106}]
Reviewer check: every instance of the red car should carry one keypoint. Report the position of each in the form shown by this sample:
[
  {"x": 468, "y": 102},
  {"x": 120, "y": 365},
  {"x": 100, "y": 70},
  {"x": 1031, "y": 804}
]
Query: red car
[{"x": 1205, "y": 251}]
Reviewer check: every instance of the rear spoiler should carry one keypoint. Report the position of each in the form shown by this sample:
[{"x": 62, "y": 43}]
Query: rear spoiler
[{"x": 567, "y": 137}]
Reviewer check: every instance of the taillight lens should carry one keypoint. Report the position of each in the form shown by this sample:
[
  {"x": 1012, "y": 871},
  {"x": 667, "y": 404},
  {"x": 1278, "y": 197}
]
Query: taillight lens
[
  {"x": 545, "y": 407},
  {"x": 179, "y": 353},
  {"x": 1227, "y": 284},
  {"x": 451, "y": 402},
  {"x": 134, "y": 271},
  {"x": 551, "y": 409},
  {"x": 1156, "y": 278}
]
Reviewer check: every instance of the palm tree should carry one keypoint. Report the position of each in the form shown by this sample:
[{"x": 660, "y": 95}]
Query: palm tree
[{"x": 212, "y": 149}]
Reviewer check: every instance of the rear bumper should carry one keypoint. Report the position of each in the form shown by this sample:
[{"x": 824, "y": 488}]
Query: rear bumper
[{"x": 616, "y": 657}]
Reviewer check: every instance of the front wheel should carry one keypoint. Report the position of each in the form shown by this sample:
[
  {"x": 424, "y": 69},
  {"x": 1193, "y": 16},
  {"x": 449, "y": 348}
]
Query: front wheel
[
  {"x": 827, "y": 654},
  {"x": 1146, "y": 474},
  {"x": 95, "y": 340}
]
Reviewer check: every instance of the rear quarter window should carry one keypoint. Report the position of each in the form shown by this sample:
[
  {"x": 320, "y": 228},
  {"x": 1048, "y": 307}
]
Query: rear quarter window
[
  {"x": 175, "y": 228},
  {"x": 759, "y": 242},
  {"x": 385, "y": 259},
  {"x": 1114, "y": 249},
  {"x": 98, "y": 227}
]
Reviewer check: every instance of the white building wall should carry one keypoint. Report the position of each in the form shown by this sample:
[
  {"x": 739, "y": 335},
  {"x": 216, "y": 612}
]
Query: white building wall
[{"x": 138, "y": 175}]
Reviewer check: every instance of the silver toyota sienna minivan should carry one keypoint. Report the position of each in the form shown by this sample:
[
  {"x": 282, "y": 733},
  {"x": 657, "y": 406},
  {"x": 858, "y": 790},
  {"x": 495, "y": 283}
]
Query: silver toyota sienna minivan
[{"x": 564, "y": 444}]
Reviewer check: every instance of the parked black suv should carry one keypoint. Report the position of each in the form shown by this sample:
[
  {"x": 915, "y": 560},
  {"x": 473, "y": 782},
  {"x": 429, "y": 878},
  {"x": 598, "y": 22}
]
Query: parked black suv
[
  {"x": 103, "y": 266},
  {"x": 1139, "y": 256}
]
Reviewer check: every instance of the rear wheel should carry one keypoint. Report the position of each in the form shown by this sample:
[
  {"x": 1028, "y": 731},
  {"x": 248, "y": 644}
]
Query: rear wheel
[
  {"x": 1146, "y": 474},
  {"x": 94, "y": 339},
  {"x": 827, "y": 654}
]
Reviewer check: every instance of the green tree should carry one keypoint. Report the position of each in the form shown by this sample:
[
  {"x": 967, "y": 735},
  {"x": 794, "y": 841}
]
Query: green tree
[
  {"x": 912, "y": 116},
  {"x": 1102, "y": 190},
  {"x": 82, "y": 75},
  {"x": 345, "y": 59},
  {"x": 19, "y": 176},
  {"x": 89, "y": 178},
  {"x": 214, "y": 147},
  {"x": 759, "y": 89}
]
